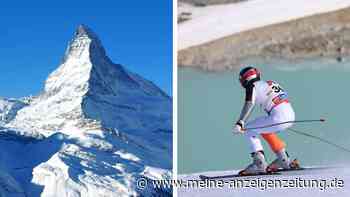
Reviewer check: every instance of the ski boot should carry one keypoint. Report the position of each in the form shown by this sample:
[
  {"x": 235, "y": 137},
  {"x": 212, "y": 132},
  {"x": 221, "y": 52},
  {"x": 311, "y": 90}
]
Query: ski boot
[
  {"x": 258, "y": 166},
  {"x": 283, "y": 162}
]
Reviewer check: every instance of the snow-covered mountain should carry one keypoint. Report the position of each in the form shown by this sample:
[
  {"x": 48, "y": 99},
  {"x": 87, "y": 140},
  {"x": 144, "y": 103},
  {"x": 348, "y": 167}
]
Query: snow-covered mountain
[{"x": 93, "y": 131}]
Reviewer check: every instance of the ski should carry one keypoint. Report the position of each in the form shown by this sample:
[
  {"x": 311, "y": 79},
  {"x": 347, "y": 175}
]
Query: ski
[
  {"x": 204, "y": 177},
  {"x": 304, "y": 169},
  {"x": 277, "y": 172}
]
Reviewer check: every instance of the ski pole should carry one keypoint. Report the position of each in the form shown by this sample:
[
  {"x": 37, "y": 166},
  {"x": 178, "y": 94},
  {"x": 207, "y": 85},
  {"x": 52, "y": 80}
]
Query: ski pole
[
  {"x": 320, "y": 139},
  {"x": 295, "y": 121}
]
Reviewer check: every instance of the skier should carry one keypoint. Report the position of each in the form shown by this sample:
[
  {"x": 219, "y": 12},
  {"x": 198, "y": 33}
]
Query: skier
[{"x": 274, "y": 100}]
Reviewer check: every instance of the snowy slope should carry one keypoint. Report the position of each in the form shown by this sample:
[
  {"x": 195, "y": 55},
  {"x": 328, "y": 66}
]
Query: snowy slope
[
  {"x": 93, "y": 131},
  {"x": 213, "y": 22},
  {"x": 9, "y": 108},
  {"x": 319, "y": 189}
]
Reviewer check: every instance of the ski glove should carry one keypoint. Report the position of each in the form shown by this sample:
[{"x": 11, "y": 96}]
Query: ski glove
[{"x": 239, "y": 127}]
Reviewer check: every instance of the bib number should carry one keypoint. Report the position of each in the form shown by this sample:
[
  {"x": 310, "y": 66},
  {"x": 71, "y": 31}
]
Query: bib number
[
  {"x": 279, "y": 94},
  {"x": 277, "y": 88}
]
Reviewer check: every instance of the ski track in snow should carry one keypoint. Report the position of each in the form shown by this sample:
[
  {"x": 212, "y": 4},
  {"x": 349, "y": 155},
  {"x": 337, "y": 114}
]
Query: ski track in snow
[
  {"x": 328, "y": 174},
  {"x": 217, "y": 21}
]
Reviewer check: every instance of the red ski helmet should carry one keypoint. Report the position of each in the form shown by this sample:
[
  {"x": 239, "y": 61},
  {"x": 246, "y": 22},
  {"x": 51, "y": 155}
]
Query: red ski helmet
[{"x": 249, "y": 75}]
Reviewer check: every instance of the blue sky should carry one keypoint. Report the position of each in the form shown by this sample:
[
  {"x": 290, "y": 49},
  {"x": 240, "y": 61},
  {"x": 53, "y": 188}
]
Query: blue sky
[{"x": 35, "y": 34}]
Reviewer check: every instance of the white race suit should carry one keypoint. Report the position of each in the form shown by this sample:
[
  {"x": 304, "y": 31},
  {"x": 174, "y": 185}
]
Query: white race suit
[{"x": 271, "y": 97}]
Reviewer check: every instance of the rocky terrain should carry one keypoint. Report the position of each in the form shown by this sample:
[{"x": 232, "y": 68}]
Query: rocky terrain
[{"x": 324, "y": 35}]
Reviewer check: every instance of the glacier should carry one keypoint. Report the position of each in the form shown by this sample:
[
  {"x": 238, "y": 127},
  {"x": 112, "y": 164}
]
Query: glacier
[{"x": 94, "y": 130}]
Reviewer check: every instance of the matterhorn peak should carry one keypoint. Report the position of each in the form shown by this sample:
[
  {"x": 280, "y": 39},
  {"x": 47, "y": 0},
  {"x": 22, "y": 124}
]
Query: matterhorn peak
[
  {"x": 84, "y": 57},
  {"x": 87, "y": 85},
  {"x": 85, "y": 44},
  {"x": 84, "y": 30}
]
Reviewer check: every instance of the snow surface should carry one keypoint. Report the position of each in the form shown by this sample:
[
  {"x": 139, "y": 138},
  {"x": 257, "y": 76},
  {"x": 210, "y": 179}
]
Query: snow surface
[
  {"x": 341, "y": 173},
  {"x": 9, "y": 108},
  {"x": 213, "y": 22},
  {"x": 94, "y": 130}
]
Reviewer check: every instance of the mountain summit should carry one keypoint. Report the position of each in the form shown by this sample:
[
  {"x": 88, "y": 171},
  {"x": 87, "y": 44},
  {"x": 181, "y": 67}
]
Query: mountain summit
[
  {"x": 93, "y": 131},
  {"x": 88, "y": 86},
  {"x": 84, "y": 39}
]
